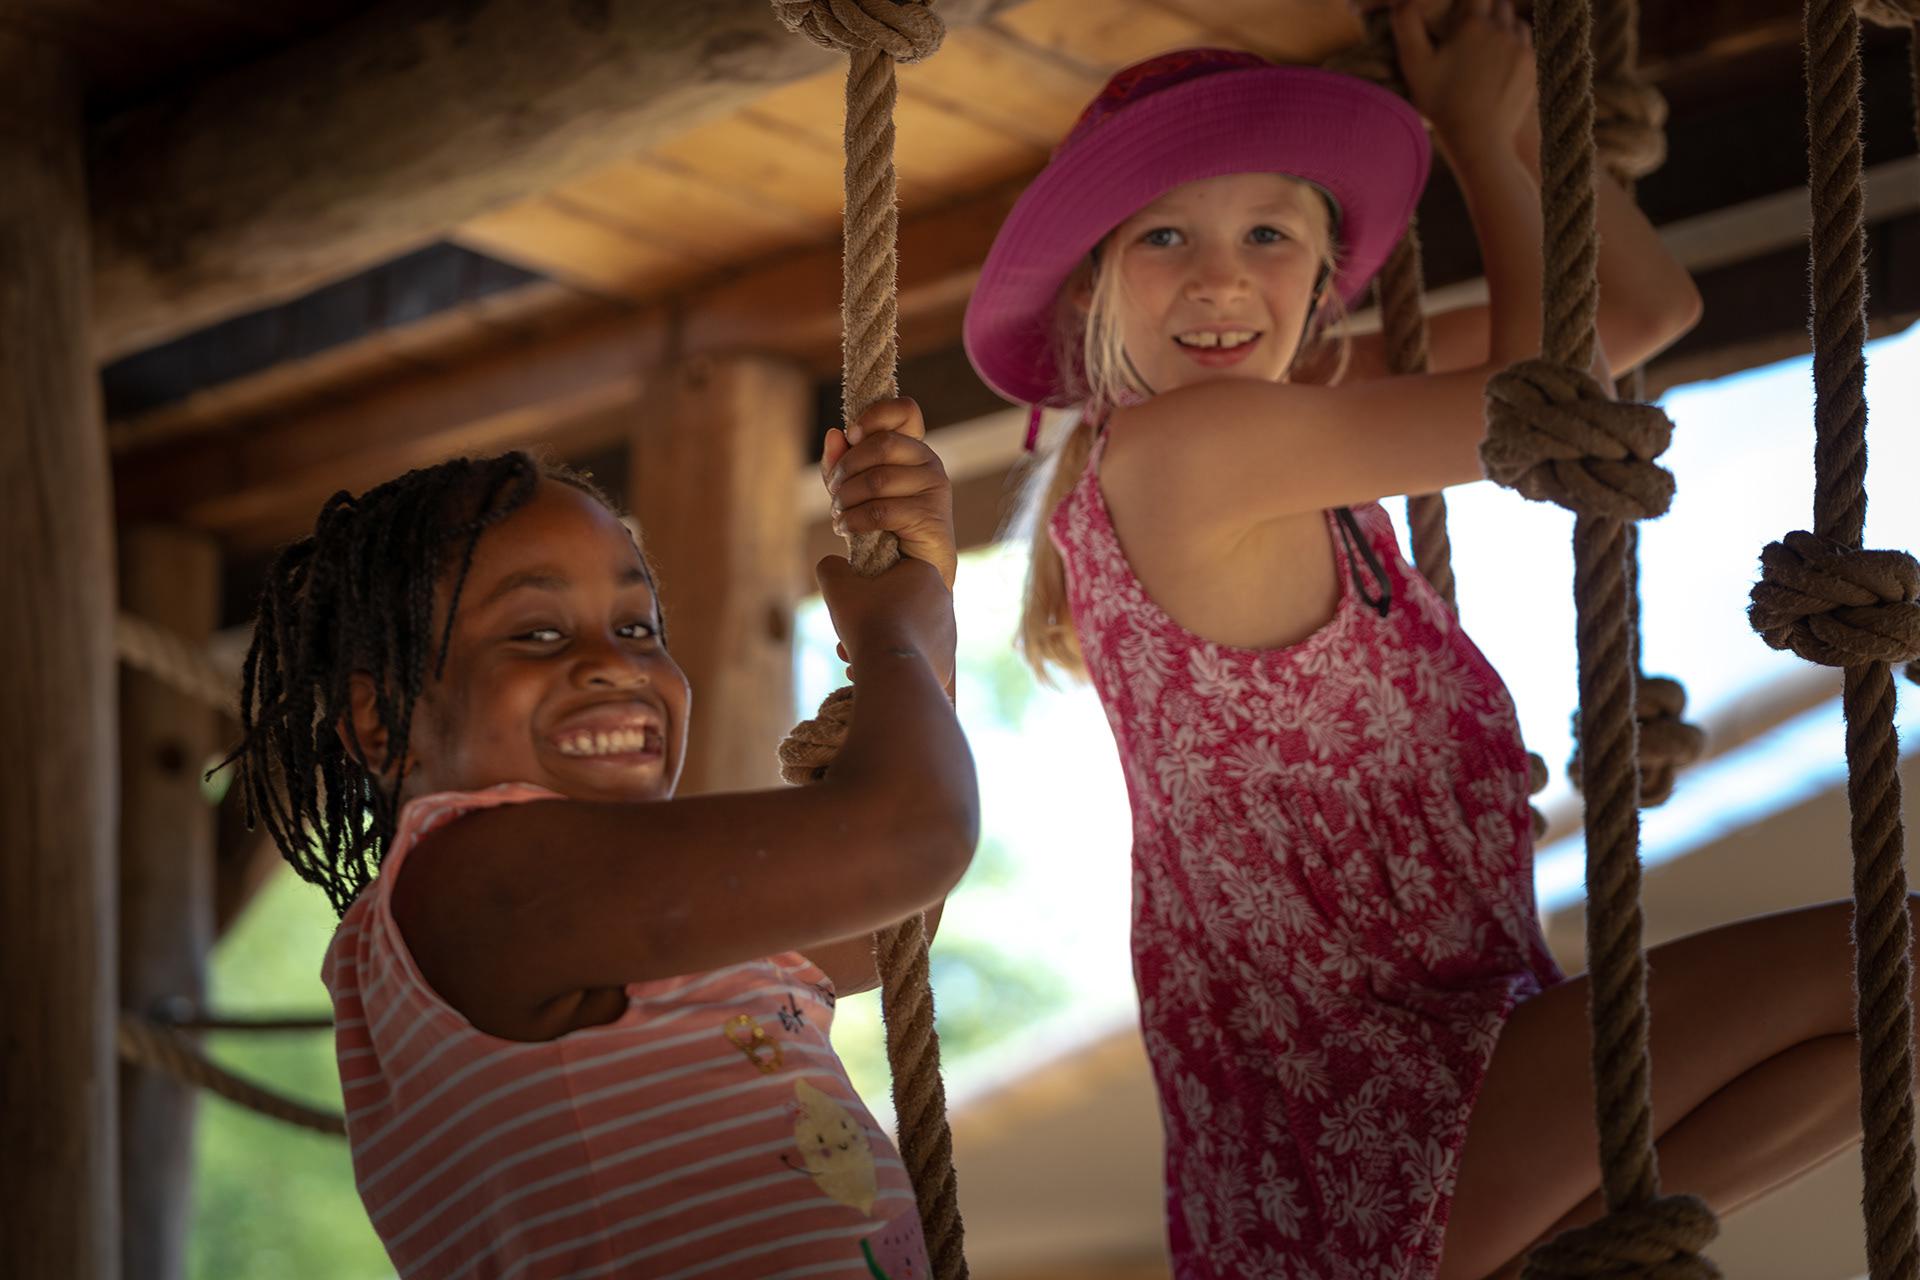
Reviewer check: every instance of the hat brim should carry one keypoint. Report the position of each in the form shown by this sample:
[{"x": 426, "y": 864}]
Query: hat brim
[{"x": 1361, "y": 143}]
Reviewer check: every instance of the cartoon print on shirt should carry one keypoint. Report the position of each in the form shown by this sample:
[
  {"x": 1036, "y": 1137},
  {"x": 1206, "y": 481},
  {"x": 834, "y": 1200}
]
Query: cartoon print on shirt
[
  {"x": 792, "y": 1016},
  {"x": 748, "y": 1036},
  {"x": 834, "y": 1149},
  {"x": 893, "y": 1252}
]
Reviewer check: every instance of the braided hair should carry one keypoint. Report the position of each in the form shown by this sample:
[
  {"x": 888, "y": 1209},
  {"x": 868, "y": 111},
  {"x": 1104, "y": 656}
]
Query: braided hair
[{"x": 358, "y": 596}]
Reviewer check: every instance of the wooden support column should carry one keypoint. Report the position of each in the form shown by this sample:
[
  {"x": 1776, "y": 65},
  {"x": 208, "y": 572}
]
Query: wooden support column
[
  {"x": 58, "y": 786},
  {"x": 170, "y": 577},
  {"x": 714, "y": 451}
]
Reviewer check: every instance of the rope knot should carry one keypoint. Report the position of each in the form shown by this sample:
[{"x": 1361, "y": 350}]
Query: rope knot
[
  {"x": 1837, "y": 605},
  {"x": 1555, "y": 435},
  {"x": 1889, "y": 13},
  {"x": 1667, "y": 743},
  {"x": 1660, "y": 1240},
  {"x": 906, "y": 30},
  {"x": 812, "y": 744},
  {"x": 1629, "y": 126}
]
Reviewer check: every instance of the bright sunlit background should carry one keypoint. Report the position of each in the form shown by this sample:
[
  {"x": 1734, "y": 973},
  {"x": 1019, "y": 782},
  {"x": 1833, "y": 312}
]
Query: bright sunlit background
[{"x": 1032, "y": 957}]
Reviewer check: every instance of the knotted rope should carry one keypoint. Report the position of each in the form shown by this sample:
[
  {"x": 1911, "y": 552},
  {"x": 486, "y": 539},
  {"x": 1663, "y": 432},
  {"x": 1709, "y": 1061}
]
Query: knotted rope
[
  {"x": 1896, "y": 13},
  {"x": 1630, "y": 138},
  {"x": 1554, "y": 434},
  {"x": 174, "y": 1054},
  {"x": 875, "y": 34},
  {"x": 1832, "y": 602},
  {"x": 1398, "y": 290},
  {"x": 177, "y": 663}
]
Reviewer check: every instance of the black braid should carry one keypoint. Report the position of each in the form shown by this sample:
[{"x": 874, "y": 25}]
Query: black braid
[{"x": 358, "y": 595}]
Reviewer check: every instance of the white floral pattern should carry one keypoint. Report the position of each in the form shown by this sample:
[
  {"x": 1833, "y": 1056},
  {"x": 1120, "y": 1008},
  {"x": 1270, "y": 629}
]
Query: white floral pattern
[{"x": 1333, "y": 909}]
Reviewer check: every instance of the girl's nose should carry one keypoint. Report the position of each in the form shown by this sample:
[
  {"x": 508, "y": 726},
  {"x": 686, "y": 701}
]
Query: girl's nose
[{"x": 1215, "y": 277}]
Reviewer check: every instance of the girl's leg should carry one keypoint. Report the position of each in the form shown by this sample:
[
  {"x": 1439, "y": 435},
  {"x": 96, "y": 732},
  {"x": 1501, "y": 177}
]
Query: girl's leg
[
  {"x": 1745, "y": 1097},
  {"x": 1791, "y": 1087}
]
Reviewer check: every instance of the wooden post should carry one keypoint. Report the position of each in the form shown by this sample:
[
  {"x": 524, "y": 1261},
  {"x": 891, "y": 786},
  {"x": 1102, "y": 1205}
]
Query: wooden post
[
  {"x": 715, "y": 450},
  {"x": 58, "y": 788},
  {"x": 170, "y": 577}
]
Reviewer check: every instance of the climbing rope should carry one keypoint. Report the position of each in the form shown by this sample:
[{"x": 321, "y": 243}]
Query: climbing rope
[
  {"x": 1825, "y": 597},
  {"x": 1555, "y": 435},
  {"x": 1398, "y": 290},
  {"x": 876, "y": 34},
  {"x": 177, "y": 663},
  {"x": 1629, "y": 134},
  {"x": 172, "y": 1053}
]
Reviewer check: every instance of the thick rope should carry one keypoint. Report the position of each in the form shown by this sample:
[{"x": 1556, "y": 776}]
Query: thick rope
[
  {"x": 1831, "y": 601},
  {"x": 1398, "y": 291},
  {"x": 179, "y": 664},
  {"x": 174, "y": 1054},
  {"x": 1554, "y": 434},
  {"x": 1631, "y": 142},
  {"x": 875, "y": 34}
]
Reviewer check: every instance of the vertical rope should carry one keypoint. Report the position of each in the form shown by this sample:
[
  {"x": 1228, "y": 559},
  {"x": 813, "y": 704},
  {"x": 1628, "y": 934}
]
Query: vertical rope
[
  {"x": 1828, "y": 599},
  {"x": 1554, "y": 434},
  {"x": 876, "y": 34},
  {"x": 1630, "y": 138}
]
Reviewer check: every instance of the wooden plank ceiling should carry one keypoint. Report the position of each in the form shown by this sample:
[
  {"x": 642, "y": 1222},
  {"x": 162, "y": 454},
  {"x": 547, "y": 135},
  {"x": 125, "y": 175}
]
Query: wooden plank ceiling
[{"x": 983, "y": 110}]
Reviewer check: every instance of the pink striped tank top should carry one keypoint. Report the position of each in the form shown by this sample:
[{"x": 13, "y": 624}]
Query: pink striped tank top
[{"x": 709, "y": 1131}]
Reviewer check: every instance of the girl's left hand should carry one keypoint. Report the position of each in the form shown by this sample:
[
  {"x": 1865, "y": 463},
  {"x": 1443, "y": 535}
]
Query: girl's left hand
[
  {"x": 883, "y": 477},
  {"x": 1475, "y": 82}
]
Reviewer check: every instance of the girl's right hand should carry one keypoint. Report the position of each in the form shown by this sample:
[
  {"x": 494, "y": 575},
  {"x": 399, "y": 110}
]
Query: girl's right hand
[
  {"x": 1475, "y": 82},
  {"x": 907, "y": 608}
]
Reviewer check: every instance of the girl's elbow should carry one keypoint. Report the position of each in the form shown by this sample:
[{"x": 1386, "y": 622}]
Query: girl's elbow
[{"x": 942, "y": 830}]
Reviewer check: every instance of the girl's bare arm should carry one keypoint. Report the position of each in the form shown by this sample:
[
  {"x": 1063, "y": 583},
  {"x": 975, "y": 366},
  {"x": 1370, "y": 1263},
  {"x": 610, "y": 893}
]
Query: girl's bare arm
[
  {"x": 512, "y": 910},
  {"x": 1647, "y": 299}
]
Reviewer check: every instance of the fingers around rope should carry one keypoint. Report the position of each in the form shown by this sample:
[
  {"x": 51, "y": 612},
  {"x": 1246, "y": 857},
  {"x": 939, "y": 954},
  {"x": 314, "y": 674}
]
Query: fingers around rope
[
  {"x": 899, "y": 414},
  {"x": 1555, "y": 435},
  {"x": 1837, "y": 605}
]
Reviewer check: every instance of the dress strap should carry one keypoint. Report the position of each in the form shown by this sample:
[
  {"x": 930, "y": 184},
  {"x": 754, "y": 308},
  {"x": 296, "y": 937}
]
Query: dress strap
[{"x": 1359, "y": 549}]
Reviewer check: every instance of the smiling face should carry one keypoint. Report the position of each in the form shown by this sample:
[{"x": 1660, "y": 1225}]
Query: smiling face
[
  {"x": 1216, "y": 278},
  {"x": 555, "y": 672}
]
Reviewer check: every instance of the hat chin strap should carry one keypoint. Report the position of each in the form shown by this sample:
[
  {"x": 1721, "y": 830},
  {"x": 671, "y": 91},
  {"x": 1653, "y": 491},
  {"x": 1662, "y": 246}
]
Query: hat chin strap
[{"x": 1306, "y": 325}]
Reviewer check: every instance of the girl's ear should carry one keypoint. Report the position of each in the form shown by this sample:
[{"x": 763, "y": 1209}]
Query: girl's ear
[
  {"x": 1082, "y": 295},
  {"x": 362, "y": 732}
]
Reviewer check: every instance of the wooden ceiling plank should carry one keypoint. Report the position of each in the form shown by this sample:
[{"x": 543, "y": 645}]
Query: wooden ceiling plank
[
  {"x": 655, "y": 200},
  {"x": 764, "y": 158},
  {"x": 1297, "y": 31},
  {"x": 1102, "y": 38},
  {"x": 942, "y": 156},
  {"x": 1005, "y": 83},
  {"x": 233, "y": 192},
  {"x": 574, "y": 245}
]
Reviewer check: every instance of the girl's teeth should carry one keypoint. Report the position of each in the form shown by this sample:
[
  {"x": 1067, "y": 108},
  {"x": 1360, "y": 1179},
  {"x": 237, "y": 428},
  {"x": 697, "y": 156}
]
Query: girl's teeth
[
  {"x": 1229, "y": 339},
  {"x": 603, "y": 744}
]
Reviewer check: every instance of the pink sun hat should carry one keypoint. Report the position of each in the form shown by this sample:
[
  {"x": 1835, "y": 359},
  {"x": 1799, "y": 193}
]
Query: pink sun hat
[{"x": 1174, "y": 119}]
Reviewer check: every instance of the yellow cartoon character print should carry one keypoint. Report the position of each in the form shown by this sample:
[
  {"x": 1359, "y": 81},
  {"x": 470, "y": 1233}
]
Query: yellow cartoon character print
[{"x": 834, "y": 1150}]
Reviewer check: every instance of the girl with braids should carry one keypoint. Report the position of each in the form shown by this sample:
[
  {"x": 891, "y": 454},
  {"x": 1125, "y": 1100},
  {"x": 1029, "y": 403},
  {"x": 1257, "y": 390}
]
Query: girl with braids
[
  {"x": 1368, "y": 1064},
  {"x": 582, "y": 1025}
]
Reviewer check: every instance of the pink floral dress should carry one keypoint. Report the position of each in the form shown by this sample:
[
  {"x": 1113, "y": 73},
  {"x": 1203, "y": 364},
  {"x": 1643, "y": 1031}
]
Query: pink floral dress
[{"x": 1333, "y": 910}]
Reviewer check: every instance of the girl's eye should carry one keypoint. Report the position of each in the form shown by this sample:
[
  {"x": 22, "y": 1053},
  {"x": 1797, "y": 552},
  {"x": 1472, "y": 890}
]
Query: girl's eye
[
  {"x": 638, "y": 631},
  {"x": 540, "y": 635},
  {"x": 1267, "y": 235},
  {"x": 1161, "y": 237}
]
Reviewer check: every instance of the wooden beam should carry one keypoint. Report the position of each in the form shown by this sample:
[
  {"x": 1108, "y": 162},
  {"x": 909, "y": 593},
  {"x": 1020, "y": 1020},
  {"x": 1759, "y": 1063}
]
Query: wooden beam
[
  {"x": 257, "y": 483},
  {"x": 715, "y": 444},
  {"x": 57, "y": 789},
  {"x": 169, "y": 577},
  {"x": 378, "y": 135}
]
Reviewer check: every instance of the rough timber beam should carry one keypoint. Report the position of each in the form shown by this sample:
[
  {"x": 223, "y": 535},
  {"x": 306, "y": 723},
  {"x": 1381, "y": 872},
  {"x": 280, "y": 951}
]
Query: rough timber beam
[
  {"x": 375, "y": 137},
  {"x": 259, "y": 482}
]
